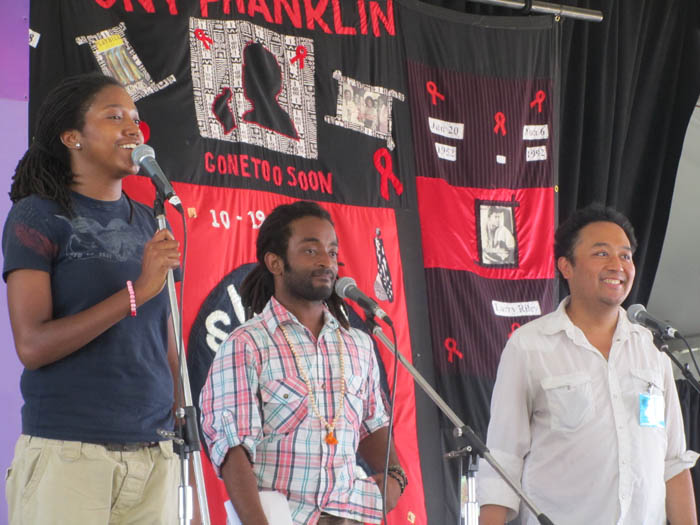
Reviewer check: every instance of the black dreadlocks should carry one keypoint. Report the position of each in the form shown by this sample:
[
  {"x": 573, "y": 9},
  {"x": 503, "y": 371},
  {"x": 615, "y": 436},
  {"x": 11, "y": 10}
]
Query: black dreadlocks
[{"x": 45, "y": 168}]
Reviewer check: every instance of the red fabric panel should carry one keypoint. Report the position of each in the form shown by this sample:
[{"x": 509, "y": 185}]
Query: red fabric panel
[
  {"x": 448, "y": 224},
  {"x": 234, "y": 246}
]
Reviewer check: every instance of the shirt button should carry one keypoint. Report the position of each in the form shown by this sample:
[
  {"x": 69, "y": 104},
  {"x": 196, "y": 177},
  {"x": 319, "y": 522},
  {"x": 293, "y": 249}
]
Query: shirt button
[
  {"x": 286, "y": 396},
  {"x": 323, "y": 386}
]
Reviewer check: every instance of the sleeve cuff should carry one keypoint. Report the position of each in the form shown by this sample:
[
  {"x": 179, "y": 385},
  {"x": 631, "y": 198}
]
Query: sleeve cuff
[
  {"x": 675, "y": 466},
  {"x": 492, "y": 490},
  {"x": 372, "y": 425}
]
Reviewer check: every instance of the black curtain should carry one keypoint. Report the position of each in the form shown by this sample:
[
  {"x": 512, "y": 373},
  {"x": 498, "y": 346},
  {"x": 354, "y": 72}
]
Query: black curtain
[
  {"x": 690, "y": 405},
  {"x": 628, "y": 88}
]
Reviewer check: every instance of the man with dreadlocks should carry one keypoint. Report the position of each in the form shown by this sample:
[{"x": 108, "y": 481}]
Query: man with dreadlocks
[
  {"x": 293, "y": 394},
  {"x": 81, "y": 261}
]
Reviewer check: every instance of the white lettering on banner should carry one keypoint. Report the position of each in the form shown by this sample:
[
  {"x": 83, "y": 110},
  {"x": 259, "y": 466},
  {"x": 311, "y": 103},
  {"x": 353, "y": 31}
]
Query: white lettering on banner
[
  {"x": 451, "y": 130},
  {"x": 501, "y": 159},
  {"x": 537, "y": 153},
  {"x": 522, "y": 309},
  {"x": 216, "y": 335},
  {"x": 536, "y": 132},
  {"x": 446, "y": 152}
]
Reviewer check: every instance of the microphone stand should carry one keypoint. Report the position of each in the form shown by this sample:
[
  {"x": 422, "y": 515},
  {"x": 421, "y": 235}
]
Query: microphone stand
[
  {"x": 661, "y": 344},
  {"x": 186, "y": 437},
  {"x": 473, "y": 450}
]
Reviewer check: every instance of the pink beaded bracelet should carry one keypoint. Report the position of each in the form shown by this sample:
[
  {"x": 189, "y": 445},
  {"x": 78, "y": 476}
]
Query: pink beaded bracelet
[{"x": 132, "y": 298}]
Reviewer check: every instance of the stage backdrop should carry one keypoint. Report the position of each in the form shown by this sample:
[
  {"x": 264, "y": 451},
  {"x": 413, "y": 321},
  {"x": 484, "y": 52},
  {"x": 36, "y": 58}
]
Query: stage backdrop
[{"x": 427, "y": 134}]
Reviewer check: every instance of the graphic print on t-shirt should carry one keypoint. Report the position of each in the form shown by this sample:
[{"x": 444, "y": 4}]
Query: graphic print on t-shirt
[{"x": 114, "y": 242}]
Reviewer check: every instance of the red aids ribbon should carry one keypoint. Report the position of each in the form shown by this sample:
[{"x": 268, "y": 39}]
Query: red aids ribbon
[
  {"x": 145, "y": 130},
  {"x": 513, "y": 328},
  {"x": 201, "y": 35},
  {"x": 500, "y": 119},
  {"x": 383, "y": 163},
  {"x": 451, "y": 346},
  {"x": 540, "y": 96},
  {"x": 300, "y": 56},
  {"x": 431, "y": 87}
]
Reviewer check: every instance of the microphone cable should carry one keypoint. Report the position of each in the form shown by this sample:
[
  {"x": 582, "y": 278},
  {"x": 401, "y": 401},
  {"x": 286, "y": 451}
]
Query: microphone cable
[{"x": 690, "y": 350}]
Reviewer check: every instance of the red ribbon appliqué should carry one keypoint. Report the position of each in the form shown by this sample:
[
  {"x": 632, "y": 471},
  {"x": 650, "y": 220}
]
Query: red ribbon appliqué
[
  {"x": 451, "y": 346},
  {"x": 500, "y": 119},
  {"x": 540, "y": 97},
  {"x": 202, "y": 36},
  {"x": 300, "y": 56},
  {"x": 513, "y": 328},
  {"x": 384, "y": 165},
  {"x": 145, "y": 130},
  {"x": 431, "y": 87}
]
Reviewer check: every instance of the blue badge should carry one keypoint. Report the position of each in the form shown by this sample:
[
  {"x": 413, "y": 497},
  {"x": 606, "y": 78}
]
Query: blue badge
[{"x": 651, "y": 409}]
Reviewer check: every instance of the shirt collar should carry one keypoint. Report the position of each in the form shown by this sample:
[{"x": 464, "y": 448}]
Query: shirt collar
[
  {"x": 559, "y": 321},
  {"x": 275, "y": 314}
]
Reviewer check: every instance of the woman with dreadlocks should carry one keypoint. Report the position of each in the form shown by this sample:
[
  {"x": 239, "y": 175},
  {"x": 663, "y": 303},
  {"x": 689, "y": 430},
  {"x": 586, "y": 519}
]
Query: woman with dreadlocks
[
  {"x": 293, "y": 394},
  {"x": 85, "y": 271}
]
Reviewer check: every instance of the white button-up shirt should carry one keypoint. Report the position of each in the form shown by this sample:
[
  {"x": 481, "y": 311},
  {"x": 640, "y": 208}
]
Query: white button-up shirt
[{"x": 566, "y": 423}]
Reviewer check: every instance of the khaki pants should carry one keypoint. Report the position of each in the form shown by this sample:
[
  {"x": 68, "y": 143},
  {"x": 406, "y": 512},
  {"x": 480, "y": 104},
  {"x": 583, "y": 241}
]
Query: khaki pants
[{"x": 53, "y": 482}]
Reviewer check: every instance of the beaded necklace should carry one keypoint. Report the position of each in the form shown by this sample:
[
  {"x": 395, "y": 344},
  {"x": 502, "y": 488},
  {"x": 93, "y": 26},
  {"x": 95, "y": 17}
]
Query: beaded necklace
[{"x": 330, "y": 427}]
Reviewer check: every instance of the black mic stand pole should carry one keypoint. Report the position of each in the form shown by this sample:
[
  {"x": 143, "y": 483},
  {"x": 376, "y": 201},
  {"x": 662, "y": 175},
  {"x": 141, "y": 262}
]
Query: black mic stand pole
[
  {"x": 188, "y": 443},
  {"x": 475, "y": 448},
  {"x": 685, "y": 370}
]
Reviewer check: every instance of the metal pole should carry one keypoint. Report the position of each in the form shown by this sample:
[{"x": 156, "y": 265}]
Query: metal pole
[
  {"x": 184, "y": 490},
  {"x": 578, "y": 13},
  {"x": 461, "y": 430}
]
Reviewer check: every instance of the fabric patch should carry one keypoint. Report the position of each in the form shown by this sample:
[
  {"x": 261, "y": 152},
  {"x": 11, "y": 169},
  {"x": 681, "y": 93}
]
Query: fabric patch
[
  {"x": 364, "y": 108},
  {"x": 117, "y": 58},
  {"x": 254, "y": 85}
]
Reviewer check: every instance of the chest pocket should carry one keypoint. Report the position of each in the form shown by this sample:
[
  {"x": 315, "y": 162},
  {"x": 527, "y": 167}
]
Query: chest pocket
[
  {"x": 570, "y": 401},
  {"x": 642, "y": 378},
  {"x": 284, "y": 405}
]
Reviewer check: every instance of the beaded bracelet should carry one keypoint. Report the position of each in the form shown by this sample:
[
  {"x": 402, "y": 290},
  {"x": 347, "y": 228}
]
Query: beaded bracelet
[
  {"x": 132, "y": 298},
  {"x": 396, "y": 472}
]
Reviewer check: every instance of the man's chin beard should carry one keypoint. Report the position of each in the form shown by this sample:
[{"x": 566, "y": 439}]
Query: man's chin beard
[{"x": 314, "y": 293}]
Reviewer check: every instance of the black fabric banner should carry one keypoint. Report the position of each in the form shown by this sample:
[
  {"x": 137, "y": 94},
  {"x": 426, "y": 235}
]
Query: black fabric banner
[{"x": 428, "y": 136}]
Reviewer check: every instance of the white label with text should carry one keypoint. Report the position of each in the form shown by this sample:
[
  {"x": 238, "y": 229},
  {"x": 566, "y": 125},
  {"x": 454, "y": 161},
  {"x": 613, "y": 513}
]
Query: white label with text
[
  {"x": 537, "y": 153},
  {"x": 526, "y": 308},
  {"x": 536, "y": 132},
  {"x": 451, "y": 130},
  {"x": 446, "y": 152}
]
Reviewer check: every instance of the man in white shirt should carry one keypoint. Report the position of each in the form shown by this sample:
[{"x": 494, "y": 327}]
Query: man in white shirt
[{"x": 585, "y": 411}]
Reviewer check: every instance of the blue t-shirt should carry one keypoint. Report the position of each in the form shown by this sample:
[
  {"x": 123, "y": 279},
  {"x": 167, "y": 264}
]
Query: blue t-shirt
[{"x": 118, "y": 387}]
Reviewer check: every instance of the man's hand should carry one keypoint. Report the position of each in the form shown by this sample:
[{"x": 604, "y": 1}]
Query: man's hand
[{"x": 393, "y": 490}]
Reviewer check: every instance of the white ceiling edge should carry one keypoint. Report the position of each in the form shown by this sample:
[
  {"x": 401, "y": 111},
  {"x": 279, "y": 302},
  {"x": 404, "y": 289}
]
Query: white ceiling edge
[{"x": 675, "y": 295}]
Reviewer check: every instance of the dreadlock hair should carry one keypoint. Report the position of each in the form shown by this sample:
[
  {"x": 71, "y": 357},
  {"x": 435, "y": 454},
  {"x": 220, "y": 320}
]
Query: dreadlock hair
[
  {"x": 274, "y": 234},
  {"x": 45, "y": 168}
]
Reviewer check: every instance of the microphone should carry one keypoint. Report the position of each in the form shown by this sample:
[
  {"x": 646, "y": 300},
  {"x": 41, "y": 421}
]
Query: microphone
[
  {"x": 639, "y": 315},
  {"x": 346, "y": 287},
  {"x": 145, "y": 157}
]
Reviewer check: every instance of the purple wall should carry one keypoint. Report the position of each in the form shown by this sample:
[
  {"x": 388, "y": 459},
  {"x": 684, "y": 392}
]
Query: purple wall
[{"x": 14, "y": 91}]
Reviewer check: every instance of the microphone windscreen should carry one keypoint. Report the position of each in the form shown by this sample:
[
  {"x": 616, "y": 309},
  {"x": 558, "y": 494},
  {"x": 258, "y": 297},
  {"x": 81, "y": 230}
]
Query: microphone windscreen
[
  {"x": 141, "y": 152},
  {"x": 634, "y": 311},
  {"x": 342, "y": 284}
]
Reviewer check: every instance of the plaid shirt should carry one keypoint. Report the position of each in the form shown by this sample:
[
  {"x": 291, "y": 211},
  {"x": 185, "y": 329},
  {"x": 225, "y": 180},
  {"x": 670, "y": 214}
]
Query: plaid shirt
[{"x": 254, "y": 396}]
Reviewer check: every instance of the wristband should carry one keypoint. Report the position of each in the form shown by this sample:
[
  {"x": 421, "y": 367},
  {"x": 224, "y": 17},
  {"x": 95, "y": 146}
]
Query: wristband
[
  {"x": 132, "y": 298},
  {"x": 396, "y": 472}
]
